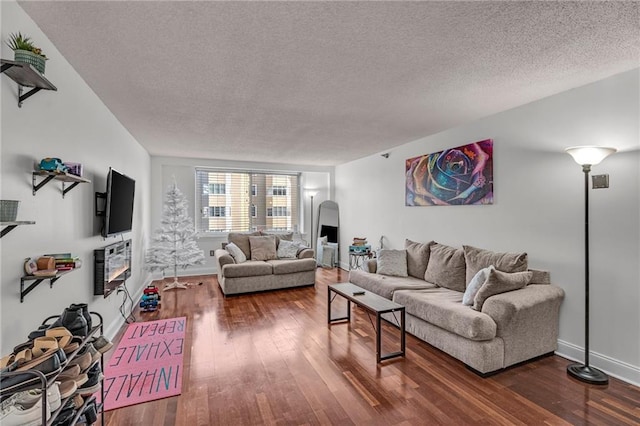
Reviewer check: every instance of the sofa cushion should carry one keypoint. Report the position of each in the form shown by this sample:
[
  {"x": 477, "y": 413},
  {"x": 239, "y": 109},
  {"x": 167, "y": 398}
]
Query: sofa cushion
[
  {"x": 474, "y": 285},
  {"x": 250, "y": 268},
  {"x": 477, "y": 259},
  {"x": 392, "y": 262},
  {"x": 417, "y": 257},
  {"x": 263, "y": 247},
  {"x": 287, "y": 236},
  {"x": 241, "y": 239},
  {"x": 443, "y": 308},
  {"x": 500, "y": 282},
  {"x": 287, "y": 249},
  {"x": 384, "y": 285},
  {"x": 446, "y": 267},
  {"x": 236, "y": 253},
  {"x": 291, "y": 266}
]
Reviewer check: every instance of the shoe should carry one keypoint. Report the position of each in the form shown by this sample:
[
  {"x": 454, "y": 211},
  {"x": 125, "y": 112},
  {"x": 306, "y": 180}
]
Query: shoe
[
  {"x": 67, "y": 388},
  {"x": 102, "y": 344},
  {"x": 84, "y": 308},
  {"x": 14, "y": 414},
  {"x": 95, "y": 355},
  {"x": 93, "y": 384},
  {"x": 73, "y": 345},
  {"x": 29, "y": 398},
  {"x": 73, "y": 320},
  {"x": 84, "y": 361},
  {"x": 91, "y": 412},
  {"x": 48, "y": 364},
  {"x": 65, "y": 416},
  {"x": 78, "y": 401},
  {"x": 74, "y": 374}
]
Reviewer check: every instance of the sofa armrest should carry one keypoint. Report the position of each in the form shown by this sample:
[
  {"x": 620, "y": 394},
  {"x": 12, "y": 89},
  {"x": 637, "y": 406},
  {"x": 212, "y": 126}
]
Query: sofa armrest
[
  {"x": 222, "y": 258},
  {"x": 371, "y": 266},
  {"x": 307, "y": 253},
  {"x": 527, "y": 320}
]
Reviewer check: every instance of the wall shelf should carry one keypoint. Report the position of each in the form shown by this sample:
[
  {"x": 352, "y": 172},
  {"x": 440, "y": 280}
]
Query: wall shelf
[
  {"x": 64, "y": 177},
  {"x": 11, "y": 225},
  {"x": 26, "y": 76},
  {"x": 37, "y": 280}
]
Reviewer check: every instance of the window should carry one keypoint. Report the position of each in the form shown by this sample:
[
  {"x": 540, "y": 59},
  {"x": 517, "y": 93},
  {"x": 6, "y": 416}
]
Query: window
[
  {"x": 240, "y": 201},
  {"x": 278, "y": 190},
  {"x": 277, "y": 211},
  {"x": 218, "y": 211},
  {"x": 215, "y": 188}
]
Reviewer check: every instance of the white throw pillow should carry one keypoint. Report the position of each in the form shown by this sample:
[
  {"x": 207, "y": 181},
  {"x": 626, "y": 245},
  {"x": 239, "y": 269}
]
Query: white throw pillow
[
  {"x": 474, "y": 285},
  {"x": 287, "y": 249},
  {"x": 235, "y": 252},
  {"x": 392, "y": 262}
]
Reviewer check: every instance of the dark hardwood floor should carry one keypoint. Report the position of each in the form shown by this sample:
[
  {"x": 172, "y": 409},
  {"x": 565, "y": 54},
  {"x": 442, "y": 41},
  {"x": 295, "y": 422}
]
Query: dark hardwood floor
[{"x": 270, "y": 358}]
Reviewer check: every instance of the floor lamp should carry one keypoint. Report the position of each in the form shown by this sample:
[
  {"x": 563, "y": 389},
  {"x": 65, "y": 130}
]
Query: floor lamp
[
  {"x": 587, "y": 156},
  {"x": 311, "y": 194}
]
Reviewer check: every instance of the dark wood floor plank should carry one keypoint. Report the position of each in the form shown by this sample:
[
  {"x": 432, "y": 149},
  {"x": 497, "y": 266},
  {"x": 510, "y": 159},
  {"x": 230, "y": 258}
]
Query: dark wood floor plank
[{"x": 271, "y": 359}]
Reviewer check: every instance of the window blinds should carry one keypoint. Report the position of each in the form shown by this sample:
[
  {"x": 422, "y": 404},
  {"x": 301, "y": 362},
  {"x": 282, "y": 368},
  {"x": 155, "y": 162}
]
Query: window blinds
[{"x": 240, "y": 201}]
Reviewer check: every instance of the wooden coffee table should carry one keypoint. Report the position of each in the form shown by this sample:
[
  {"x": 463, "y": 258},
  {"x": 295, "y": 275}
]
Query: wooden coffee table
[{"x": 372, "y": 303}]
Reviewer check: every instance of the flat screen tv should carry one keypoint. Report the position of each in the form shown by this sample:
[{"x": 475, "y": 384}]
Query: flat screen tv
[{"x": 119, "y": 204}]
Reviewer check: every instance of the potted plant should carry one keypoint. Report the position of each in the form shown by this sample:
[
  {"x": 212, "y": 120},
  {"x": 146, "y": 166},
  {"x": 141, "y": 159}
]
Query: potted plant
[{"x": 25, "y": 51}]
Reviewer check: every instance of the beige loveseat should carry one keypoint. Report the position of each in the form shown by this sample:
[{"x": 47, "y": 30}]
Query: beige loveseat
[
  {"x": 508, "y": 328},
  {"x": 265, "y": 271}
]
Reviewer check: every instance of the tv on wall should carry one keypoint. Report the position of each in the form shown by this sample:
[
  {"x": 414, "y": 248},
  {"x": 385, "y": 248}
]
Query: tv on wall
[{"x": 119, "y": 204}]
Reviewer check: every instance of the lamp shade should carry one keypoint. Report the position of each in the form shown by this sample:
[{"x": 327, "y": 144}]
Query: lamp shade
[
  {"x": 311, "y": 192},
  {"x": 589, "y": 155}
]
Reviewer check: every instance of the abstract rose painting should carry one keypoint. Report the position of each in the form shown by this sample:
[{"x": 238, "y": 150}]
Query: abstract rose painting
[{"x": 458, "y": 176}]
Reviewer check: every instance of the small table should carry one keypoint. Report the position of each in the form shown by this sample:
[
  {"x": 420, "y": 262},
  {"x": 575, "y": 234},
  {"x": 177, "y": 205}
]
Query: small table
[
  {"x": 372, "y": 303},
  {"x": 357, "y": 259}
]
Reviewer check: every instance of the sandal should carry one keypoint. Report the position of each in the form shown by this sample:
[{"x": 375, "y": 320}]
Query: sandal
[
  {"x": 42, "y": 345},
  {"x": 63, "y": 335}
]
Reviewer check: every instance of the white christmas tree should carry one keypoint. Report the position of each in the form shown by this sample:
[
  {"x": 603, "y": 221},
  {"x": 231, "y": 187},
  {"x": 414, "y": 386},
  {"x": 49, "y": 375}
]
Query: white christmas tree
[{"x": 174, "y": 243}]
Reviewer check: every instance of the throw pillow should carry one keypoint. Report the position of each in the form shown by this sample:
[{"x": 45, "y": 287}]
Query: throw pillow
[
  {"x": 287, "y": 249},
  {"x": 417, "y": 257},
  {"x": 241, "y": 239},
  {"x": 477, "y": 259},
  {"x": 236, "y": 253},
  {"x": 446, "y": 267},
  {"x": 392, "y": 262},
  {"x": 263, "y": 248},
  {"x": 540, "y": 277},
  {"x": 500, "y": 282},
  {"x": 474, "y": 285},
  {"x": 279, "y": 237}
]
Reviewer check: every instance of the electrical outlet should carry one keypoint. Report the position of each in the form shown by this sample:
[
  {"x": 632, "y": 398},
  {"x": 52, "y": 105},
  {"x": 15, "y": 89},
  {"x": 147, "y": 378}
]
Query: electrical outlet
[
  {"x": 212, "y": 252},
  {"x": 600, "y": 181}
]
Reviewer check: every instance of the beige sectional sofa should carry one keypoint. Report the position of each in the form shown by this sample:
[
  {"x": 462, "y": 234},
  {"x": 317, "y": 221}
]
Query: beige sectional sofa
[
  {"x": 263, "y": 269},
  {"x": 514, "y": 315}
]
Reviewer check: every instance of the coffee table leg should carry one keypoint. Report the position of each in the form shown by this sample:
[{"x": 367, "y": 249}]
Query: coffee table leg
[
  {"x": 402, "y": 336},
  {"x": 328, "y": 306},
  {"x": 378, "y": 338}
]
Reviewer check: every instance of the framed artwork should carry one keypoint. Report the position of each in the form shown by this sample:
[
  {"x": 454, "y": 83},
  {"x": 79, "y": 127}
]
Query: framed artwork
[{"x": 457, "y": 176}]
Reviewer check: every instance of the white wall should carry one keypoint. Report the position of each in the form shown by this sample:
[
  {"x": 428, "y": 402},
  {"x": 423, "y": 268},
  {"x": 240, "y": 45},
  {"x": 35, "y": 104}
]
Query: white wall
[
  {"x": 74, "y": 125},
  {"x": 538, "y": 208},
  {"x": 165, "y": 169}
]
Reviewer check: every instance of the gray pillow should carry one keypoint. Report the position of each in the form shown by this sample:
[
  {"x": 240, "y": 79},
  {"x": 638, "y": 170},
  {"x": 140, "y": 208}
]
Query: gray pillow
[
  {"x": 241, "y": 239},
  {"x": 236, "y": 253},
  {"x": 474, "y": 285},
  {"x": 477, "y": 259},
  {"x": 500, "y": 282},
  {"x": 446, "y": 267},
  {"x": 540, "y": 277},
  {"x": 417, "y": 257},
  {"x": 263, "y": 248},
  {"x": 392, "y": 262},
  {"x": 287, "y": 249}
]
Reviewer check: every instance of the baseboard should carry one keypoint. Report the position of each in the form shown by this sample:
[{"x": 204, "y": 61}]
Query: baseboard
[
  {"x": 111, "y": 331},
  {"x": 613, "y": 367}
]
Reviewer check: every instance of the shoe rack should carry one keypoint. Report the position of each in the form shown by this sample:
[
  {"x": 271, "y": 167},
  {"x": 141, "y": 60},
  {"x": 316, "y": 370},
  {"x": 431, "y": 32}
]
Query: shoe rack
[{"x": 96, "y": 330}]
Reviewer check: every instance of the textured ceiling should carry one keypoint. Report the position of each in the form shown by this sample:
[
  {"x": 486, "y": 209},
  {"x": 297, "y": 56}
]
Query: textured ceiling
[{"x": 323, "y": 83}]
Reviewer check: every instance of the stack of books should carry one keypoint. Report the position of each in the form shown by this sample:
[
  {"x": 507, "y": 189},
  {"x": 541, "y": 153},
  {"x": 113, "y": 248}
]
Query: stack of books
[
  {"x": 65, "y": 261},
  {"x": 357, "y": 241}
]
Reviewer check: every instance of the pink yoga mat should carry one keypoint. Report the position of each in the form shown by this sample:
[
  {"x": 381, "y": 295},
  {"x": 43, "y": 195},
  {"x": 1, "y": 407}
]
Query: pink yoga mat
[{"x": 147, "y": 364}]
